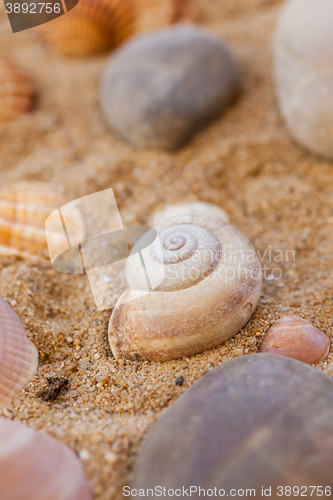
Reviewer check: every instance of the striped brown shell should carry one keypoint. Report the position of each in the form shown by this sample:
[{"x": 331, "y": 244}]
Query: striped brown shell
[
  {"x": 17, "y": 91},
  {"x": 24, "y": 207},
  {"x": 95, "y": 26},
  {"x": 18, "y": 355}
]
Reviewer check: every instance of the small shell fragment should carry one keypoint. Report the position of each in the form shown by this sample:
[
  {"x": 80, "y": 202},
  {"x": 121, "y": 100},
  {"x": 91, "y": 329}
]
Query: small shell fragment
[
  {"x": 296, "y": 338},
  {"x": 18, "y": 355},
  {"x": 35, "y": 467},
  {"x": 17, "y": 91}
]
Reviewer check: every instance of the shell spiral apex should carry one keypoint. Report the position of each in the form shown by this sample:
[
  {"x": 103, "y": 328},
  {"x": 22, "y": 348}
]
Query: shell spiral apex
[
  {"x": 34, "y": 466},
  {"x": 18, "y": 355},
  {"x": 200, "y": 285}
]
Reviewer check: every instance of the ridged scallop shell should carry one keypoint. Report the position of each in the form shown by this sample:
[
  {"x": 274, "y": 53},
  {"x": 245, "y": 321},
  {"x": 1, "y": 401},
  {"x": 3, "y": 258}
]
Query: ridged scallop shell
[
  {"x": 200, "y": 284},
  {"x": 18, "y": 355},
  {"x": 17, "y": 91},
  {"x": 199, "y": 208},
  {"x": 95, "y": 26},
  {"x": 24, "y": 207},
  {"x": 296, "y": 338},
  {"x": 34, "y": 466},
  {"x": 92, "y": 26}
]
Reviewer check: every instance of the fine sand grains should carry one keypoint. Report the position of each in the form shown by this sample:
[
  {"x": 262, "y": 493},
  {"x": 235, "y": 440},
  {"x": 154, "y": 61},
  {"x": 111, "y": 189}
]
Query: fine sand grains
[{"x": 278, "y": 195}]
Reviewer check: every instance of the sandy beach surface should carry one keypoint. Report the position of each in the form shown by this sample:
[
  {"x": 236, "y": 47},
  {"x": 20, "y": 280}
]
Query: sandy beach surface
[{"x": 277, "y": 194}]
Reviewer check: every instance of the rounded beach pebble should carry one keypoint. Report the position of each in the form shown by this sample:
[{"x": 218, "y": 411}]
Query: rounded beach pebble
[
  {"x": 260, "y": 420},
  {"x": 304, "y": 72},
  {"x": 162, "y": 87}
]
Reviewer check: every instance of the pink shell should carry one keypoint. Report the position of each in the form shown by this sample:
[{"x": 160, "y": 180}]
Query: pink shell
[
  {"x": 34, "y": 466},
  {"x": 296, "y": 338},
  {"x": 18, "y": 355}
]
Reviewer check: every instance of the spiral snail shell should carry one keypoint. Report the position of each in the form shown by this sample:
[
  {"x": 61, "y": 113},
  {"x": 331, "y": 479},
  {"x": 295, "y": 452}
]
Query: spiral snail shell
[{"x": 199, "y": 285}]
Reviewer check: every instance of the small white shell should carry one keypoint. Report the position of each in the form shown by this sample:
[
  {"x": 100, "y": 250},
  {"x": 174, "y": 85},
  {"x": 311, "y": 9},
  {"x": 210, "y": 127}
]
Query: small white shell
[
  {"x": 35, "y": 467},
  {"x": 18, "y": 355}
]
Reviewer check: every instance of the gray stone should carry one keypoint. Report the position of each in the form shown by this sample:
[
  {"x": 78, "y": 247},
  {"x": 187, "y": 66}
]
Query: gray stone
[
  {"x": 162, "y": 87},
  {"x": 304, "y": 72},
  {"x": 258, "y": 420}
]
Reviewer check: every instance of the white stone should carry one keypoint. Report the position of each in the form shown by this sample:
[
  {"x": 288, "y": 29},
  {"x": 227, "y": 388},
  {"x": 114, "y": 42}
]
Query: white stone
[{"x": 304, "y": 72}]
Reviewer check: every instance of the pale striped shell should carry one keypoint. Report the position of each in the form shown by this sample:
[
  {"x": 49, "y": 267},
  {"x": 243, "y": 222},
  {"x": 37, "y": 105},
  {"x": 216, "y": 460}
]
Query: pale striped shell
[
  {"x": 296, "y": 338},
  {"x": 18, "y": 355},
  {"x": 17, "y": 91},
  {"x": 95, "y": 26},
  {"x": 24, "y": 207},
  {"x": 34, "y": 466}
]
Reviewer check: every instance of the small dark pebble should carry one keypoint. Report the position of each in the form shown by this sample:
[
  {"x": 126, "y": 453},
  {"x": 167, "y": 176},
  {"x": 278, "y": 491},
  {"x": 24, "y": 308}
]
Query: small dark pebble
[
  {"x": 56, "y": 384},
  {"x": 179, "y": 381}
]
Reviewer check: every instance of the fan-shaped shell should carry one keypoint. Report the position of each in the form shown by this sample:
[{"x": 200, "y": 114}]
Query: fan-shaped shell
[
  {"x": 99, "y": 25},
  {"x": 296, "y": 338},
  {"x": 35, "y": 467},
  {"x": 206, "y": 290},
  {"x": 92, "y": 26},
  {"x": 199, "y": 208},
  {"x": 17, "y": 91},
  {"x": 18, "y": 355},
  {"x": 24, "y": 207}
]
